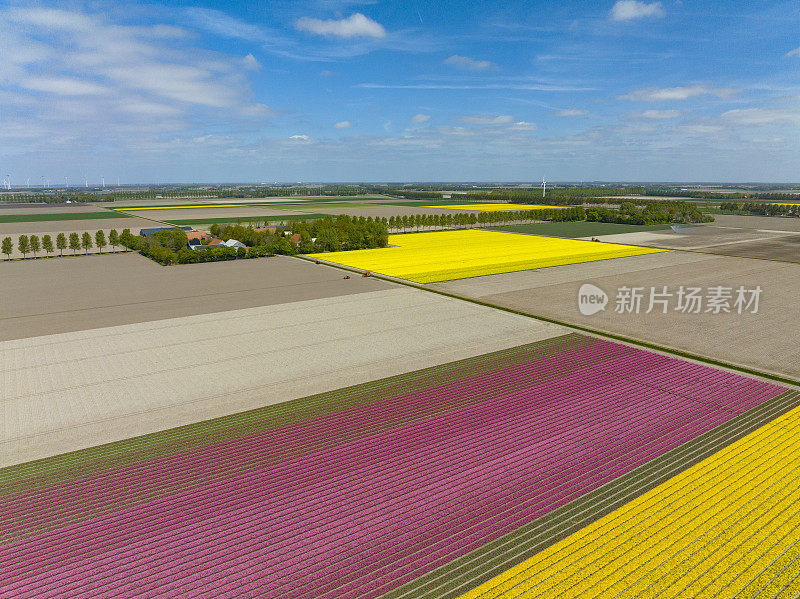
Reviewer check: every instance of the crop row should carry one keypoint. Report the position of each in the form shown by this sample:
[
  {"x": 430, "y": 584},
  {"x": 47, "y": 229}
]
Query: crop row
[
  {"x": 81, "y": 464},
  {"x": 726, "y": 527},
  {"x": 359, "y": 513}
]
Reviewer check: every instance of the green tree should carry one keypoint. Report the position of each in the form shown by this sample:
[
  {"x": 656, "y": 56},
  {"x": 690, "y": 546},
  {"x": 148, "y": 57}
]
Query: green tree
[
  {"x": 35, "y": 244},
  {"x": 74, "y": 242},
  {"x": 8, "y": 247},
  {"x": 24, "y": 245},
  {"x": 214, "y": 230},
  {"x": 47, "y": 244},
  {"x": 113, "y": 238},
  {"x": 100, "y": 240},
  {"x": 61, "y": 243},
  {"x": 86, "y": 241}
]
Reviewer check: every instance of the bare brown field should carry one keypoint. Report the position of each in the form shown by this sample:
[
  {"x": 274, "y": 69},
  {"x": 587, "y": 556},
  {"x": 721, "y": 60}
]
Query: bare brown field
[
  {"x": 785, "y": 248},
  {"x": 42, "y": 297},
  {"x": 69, "y": 391},
  {"x": 200, "y": 213},
  {"x": 765, "y": 341},
  {"x": 765, "y": 223},
  {"x": 54, "y": 227}
]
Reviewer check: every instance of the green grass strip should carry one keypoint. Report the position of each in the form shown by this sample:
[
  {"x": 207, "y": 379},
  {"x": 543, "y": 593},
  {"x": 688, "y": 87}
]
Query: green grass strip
[
  {"x": 40, "y": 473},
  {"x": 52, "y": 216},
  {"x": 473, "y": 569}
]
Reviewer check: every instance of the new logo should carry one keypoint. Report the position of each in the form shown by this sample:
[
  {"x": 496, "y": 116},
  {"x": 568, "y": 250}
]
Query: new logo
[{"x": 591, "y": 299}]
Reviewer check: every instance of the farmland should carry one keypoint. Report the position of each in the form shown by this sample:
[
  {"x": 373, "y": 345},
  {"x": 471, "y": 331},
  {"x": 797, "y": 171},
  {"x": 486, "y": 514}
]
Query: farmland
[
  {"x": 726, "y": 527},
  {"x": 448, "y": 255},
  {"x": 288, "y": 345},
  {"x": 355, "y": 492},
  {"x": 493, "y": 207},
  {"x": 57, "y": 216},
  {"x": 578, "y": 229},
  {"x": 764, "y": 340}
]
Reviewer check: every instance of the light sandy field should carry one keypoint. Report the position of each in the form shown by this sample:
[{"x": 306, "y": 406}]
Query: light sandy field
[
  {"x": 69, "y": 391},
  {"x": 68, "y": 226},
  {"x": 193, "y": 201},
  {"x": 694, "y": 238},
  {"x": 42, "y": 297},
  {"x": 448, "y": 255},
  {"x": 766, "y": 341},
  {"x": 200, "y": 213}
]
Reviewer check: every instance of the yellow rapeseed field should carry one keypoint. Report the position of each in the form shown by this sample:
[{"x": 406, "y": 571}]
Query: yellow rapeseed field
[
  {"x": 178, "y": 207},
  {"x": 447, "y": 255},
  {"x": 727, "y": 527},
  {"x": 492, "y": 207}
]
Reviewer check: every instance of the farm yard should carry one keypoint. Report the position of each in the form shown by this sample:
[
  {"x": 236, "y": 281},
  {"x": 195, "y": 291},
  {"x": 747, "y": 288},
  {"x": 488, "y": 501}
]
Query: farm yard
[
  {"x": 448, "y": 255},
  {"x": 359, "y": 492}
]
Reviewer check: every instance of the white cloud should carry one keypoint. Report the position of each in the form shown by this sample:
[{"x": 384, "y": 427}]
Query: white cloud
[
  {"x": 469, "y": 64},
  {"x": 762, "y": 116},
  {"x": 300, "y": 137},
  {"x": 523, "y": 126},
  {"x": 627, "y": 10},
  {"x": 420, "y": 118},
  {"x": 251, "y": 63},
  {"x": 572, "y": 112},
  {"x": 343, "y": 125},
  {"x": 661, "y": 94},
  {"x": 63, "y": 86},
  {"x": 795, "y": 52},
  {"x": 356, "y": 25},
  {"x": 486, "y": 119},
  {"x": 660, "y": 114}
]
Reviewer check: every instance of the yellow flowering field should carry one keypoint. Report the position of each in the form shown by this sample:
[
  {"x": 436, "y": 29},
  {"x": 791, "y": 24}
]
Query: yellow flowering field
[
  {"x": 178, "y": 207},
  {"x": 727, "y": 527},
  {"x": 448, "y": 255},
  {"x": 493, "y": 207}
]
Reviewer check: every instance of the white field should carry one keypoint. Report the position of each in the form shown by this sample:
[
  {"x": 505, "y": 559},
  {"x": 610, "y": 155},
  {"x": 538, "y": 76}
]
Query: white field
[{"x": 69, "y": 391}]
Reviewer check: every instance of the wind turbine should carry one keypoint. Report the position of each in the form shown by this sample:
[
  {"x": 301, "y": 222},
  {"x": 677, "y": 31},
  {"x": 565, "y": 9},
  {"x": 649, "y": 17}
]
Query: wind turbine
[
  {"x": 544, "y": 186},
  {"x": 66, "y": 182},
  {"x": 44, "y": 181},
  {"x": 103, "y": 181},
  {"x": 8, "y": 178},
  {"x": 28, "y": 182},
  {"x": 85, "y": 181}
]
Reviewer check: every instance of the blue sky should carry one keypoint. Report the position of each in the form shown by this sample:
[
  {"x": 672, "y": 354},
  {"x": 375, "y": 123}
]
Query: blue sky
[{"x": 330, "y": 90}]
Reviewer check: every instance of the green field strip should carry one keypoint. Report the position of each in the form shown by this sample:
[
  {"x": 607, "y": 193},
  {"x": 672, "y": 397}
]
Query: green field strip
[
  {"x": 40, "y": 473},
  {"x": 247, "y": 219},
  {"x": 577, "y": 229},
  {"x": 481, "y": 565},
  {"x": 56, "y": 216}
]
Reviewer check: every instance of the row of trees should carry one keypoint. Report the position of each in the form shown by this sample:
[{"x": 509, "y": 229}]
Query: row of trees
[
  {"x": 650, "y": 213},
  {"x": 762, "y": 208},
  {"x": 31, "y": 244}
]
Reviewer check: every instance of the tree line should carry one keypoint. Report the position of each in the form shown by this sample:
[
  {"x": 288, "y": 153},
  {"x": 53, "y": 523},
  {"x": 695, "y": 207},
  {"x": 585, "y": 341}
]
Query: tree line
[
  {"x": 762, "y": 208},
  {"x": 32, "y": 244}
]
